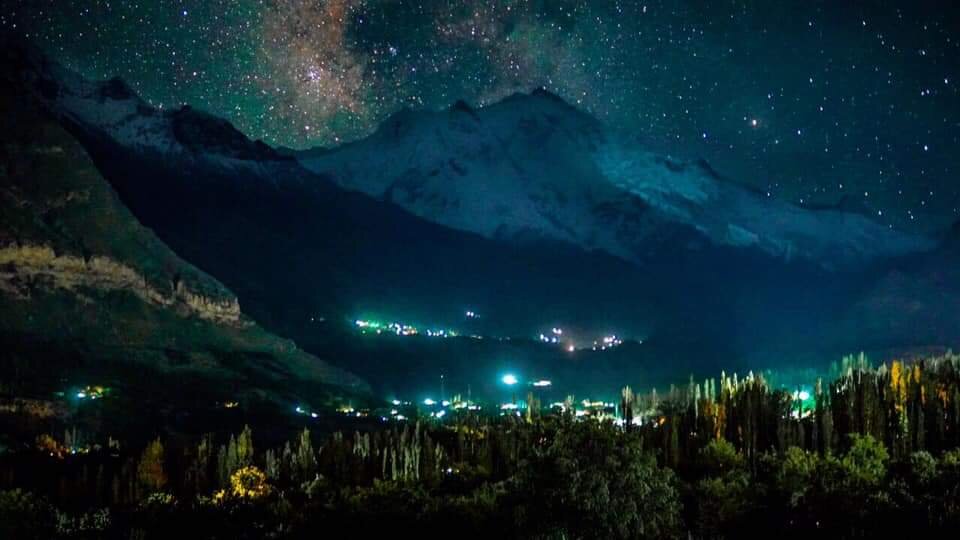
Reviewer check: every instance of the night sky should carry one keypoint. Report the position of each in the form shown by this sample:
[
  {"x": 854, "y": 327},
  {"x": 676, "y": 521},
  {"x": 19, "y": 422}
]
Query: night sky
[{"x": 811, "y": 102}]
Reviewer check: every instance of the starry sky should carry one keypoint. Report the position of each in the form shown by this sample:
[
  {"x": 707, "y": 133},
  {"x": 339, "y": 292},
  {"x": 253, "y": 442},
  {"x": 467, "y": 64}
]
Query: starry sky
[{"x": 818, "y": 103}]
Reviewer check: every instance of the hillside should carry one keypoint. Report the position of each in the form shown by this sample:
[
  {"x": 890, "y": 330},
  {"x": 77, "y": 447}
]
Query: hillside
[{"x": 87, "y": 294}]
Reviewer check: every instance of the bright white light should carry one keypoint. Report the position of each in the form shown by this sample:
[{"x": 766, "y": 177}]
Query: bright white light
[
  {"x": 571, "y": 348},
  {"x": 299, "y": 410},
  {"x": 81, "y": 395},
  {"x": 445, "y": 403},
  {"x": 543, "y": 382},
  {"x": 804, "y": 395},
  {"x": 395, "y": 402},
  {"x": 441, "y": 413},
  {"x": 313, "y": 414},
  {"x": 509, "y": 379},
  {"x": 429, "y": 402}
]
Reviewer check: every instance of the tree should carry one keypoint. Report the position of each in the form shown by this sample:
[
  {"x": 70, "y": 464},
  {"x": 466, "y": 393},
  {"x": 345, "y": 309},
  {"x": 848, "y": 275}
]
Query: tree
[
  {"x": 794, "y": 476},
  {"x": 850, "y": 496},
  {"x": 865, "y": 463},
  {"x": 719, "y": 456},
  {"x": 150, "y": 473},
  {"x": 25, "y": 516},
  {"x": 723, "y": 497},
  {"x": 244, "y": 448},
  {"x": 249, "y": 483},
  {"x": 305, "y": 459},
  {"x": 722, "y": 503},
  {"x": 197, "y": 473},
  {"x": 594, "y": 481}
]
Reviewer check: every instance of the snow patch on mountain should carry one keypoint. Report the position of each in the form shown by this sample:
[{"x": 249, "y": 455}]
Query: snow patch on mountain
[{"x": 731, "y": 214}]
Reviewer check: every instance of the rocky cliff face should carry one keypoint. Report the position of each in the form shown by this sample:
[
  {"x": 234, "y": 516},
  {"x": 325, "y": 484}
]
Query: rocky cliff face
[{"x": 24, "y": 268}]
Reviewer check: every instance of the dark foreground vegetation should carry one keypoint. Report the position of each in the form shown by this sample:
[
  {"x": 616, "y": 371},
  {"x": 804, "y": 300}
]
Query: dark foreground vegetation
[{"x": 875, "y": 453}]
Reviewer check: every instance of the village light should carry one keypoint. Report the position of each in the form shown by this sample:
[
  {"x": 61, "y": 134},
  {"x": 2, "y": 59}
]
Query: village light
[{"x": 509, "y": 379}]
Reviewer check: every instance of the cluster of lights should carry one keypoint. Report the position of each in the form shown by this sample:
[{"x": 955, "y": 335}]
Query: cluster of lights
[
  {"x": 400, "y": 329},
  {"x": 431, "y": 402},
  {"x": 607, "y": 342},
  {"x": 346, "y": 410},
  {"x": 92, "y": 392},
  {"x": 588, "y": 409},
  {"x": 637, "y": 421},
  {"x": 471, "y": 314},
  {"x": 554, "y": 337},
  {"x": 441, "y": 406},
  {"x": 510, "y": 379},
  {"x": 305, "y": 412},
  {"x": 394, "y": 413},
  {"x": 441, "y": 333},
  {"x": 466, "y": 405}
]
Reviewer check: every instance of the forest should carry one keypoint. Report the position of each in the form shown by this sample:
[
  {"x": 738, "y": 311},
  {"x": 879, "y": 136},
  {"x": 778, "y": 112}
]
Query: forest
[{"x": 873, "y": 451}]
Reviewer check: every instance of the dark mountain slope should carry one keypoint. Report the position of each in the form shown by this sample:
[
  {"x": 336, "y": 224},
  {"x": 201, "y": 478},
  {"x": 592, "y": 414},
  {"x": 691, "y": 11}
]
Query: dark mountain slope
[{"x": 88, "y": 294}]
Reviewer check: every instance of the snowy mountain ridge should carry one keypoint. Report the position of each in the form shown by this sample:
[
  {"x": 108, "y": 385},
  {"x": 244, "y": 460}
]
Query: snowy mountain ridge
[
  {"x": 533, "y": 165},
  {"x": 112, "y": 109},
  {"x": 528, "y": 168}
]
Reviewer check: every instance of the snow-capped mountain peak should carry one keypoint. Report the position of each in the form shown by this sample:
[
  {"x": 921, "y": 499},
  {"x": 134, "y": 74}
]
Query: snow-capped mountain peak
[{"x": 533, "y": 166}]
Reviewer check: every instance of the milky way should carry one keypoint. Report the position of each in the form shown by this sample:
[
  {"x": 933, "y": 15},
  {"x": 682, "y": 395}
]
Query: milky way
[{"x": 815, "y": 103}]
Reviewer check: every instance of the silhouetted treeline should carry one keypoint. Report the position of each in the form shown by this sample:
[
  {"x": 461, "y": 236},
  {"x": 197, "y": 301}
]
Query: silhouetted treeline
[{"x": 907, "y": 406}]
